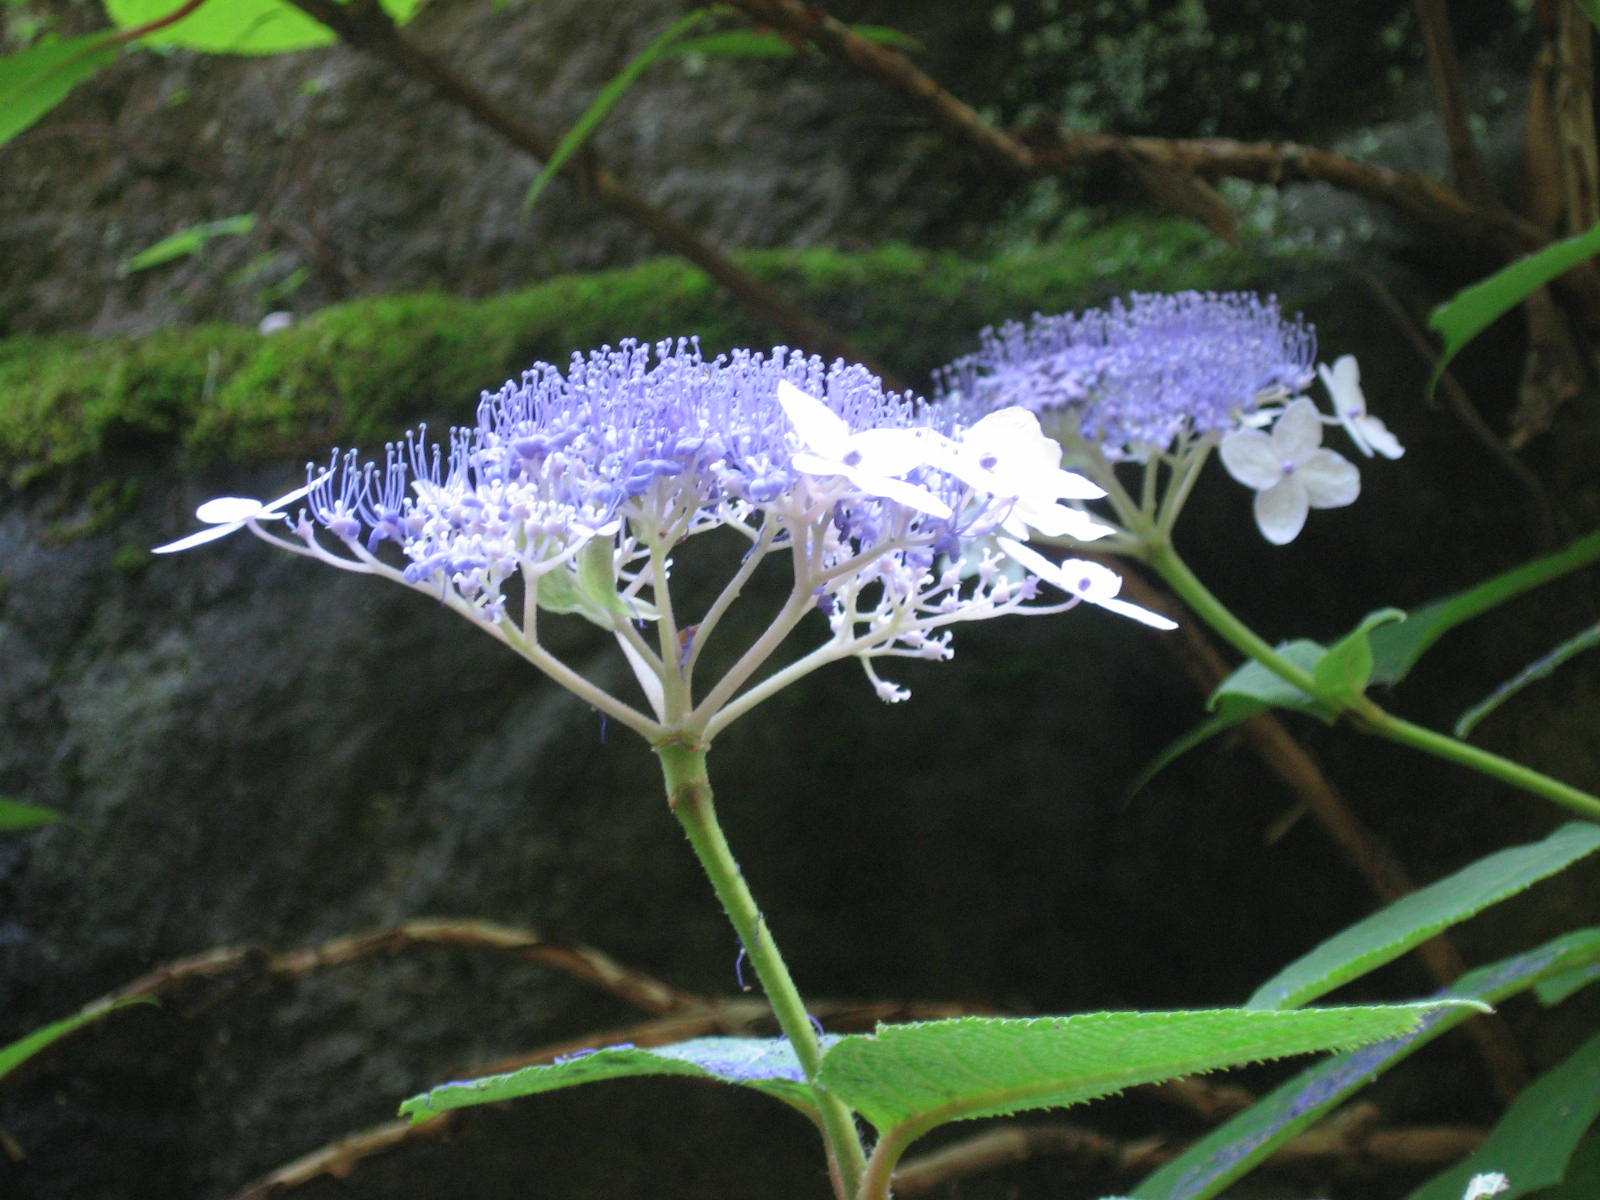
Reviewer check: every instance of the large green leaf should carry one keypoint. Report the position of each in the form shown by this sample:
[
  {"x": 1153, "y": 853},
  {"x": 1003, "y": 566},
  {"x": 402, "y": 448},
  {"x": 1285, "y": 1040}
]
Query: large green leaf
[
  {"x": 239, "y": 26},
  {"x": 1396, "y": 647},
  {"x": 767, "y": 1065},
  {"x": 1535, "y": 1139},
  {"x": 910, "y": 1078},
  {"x": 1344, "y": 671},
  {"x": 1413, "y": 919},
  {"x": 1240, "y": 1144},
  {"x": 37, "y": 79},
  {"x": 1472, "y": 310}
]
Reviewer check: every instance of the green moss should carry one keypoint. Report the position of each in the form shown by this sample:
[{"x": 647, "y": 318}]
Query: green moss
[{"x": 358, "y": 373}]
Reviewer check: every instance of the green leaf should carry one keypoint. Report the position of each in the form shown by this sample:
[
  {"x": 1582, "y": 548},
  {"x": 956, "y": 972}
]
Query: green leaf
[
  {"x": 1253, "y": 688},
  {"x": 1470, "y": 311},
  {"x": 1177, "y": 748},
  {"x": 1535, "y": 1139},
  {"x": 1347, "y": 666},
  {"x": 239, "y": 26},
  {"x": 608, "y": 97},
  {"x": 1412, "y": 920},
  {"x": 767, "y": 1065},
  {"x": 14, "y": 815},
  {"x": 1530, "y": 674},
  {"x": 39, "y": 78},
  {"x": 187, "y": 241},
  {"x": 910, "y": 1078},
  {"x": 1397, "y": 647},
  {"x": 1236, "y": 1146},
  {"x": 1250, "y": 690},
  {"x": 21, "y": 1050},
  {"x": 1582, "y": 1180}
]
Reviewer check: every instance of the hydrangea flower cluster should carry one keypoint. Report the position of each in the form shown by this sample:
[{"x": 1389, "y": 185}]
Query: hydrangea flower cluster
[
  {"x": 1161, "y": 379},
  {"x": 575, "y": 489}
]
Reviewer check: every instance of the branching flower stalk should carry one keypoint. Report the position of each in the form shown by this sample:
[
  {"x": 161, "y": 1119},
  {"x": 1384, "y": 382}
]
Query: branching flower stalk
[
  {"x": 576, "y": 492},
  {"x": 1159, "y": 381}
]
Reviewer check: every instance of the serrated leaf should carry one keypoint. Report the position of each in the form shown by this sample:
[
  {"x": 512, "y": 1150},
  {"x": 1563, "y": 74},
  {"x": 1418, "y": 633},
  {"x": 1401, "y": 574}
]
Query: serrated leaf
[
  {"x": 1534, "y": 1141},
  {"x": 1472, "y": 310},
  {"x": 239, "y": 26},
  {"x": 15, "y": 815},
  {"x": 1413, "y": 919},
  {"x": 1539, "y": 669},
  {"x": 1397, "y": 647},
  {"x": 1236, "y": 1146},
  {"x": 35, "y": 80},
  {"x": 910, "y": 1078},
  {"x": 186, "y": 242},
  {"x": 767, "y": 1065},
  {"x": 1347, "y": 666},
  {"x": 21, "y": 1050}
]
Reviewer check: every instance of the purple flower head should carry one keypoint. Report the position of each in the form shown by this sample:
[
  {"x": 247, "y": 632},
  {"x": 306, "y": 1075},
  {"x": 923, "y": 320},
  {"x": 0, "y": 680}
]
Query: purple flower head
[{"x": 1144, "y": 371}]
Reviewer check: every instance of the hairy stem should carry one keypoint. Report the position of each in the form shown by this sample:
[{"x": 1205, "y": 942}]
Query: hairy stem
[{"x": 683, "y": 766}]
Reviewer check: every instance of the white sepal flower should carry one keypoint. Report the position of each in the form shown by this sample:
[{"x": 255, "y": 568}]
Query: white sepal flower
[
  {"x": 1343, "y": 381},
  {"x": 228, "y": 514},
  {"x": 1483, "y": 1186},
  {"x": 1007, "y": 455},
  {"x": 871, "y": 459},
  {"x": 1084, "y": 579},
  {"x": 1290, "y": 471}
]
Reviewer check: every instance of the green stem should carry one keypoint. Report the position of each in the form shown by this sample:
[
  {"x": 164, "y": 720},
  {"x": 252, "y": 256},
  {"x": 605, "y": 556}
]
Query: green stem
[
  {"x": 1362, "y": 711},
  {"x": 683, "y": 766}
]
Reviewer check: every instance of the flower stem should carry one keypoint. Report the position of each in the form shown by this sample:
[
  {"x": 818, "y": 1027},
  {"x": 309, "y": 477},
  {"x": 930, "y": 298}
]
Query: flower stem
[
  {"x": 1364, "y": 712},
  {"x": 683, "y": 766}
]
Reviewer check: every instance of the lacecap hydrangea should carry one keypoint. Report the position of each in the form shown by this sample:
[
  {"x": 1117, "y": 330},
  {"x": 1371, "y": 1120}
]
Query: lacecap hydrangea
[
  {"x": 1162, "y": 378},
  {"x": 575, "y": 488}
]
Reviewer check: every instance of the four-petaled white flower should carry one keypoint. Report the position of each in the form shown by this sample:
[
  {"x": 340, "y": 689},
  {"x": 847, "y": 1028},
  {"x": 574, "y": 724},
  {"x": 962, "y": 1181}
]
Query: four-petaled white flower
[
  {"x": 871, "y": 460},
  {"x": 1084, "y": 579},
  {"x": 1007, "y": 455},
  {"x": 1483, "y": 1186},
  {"x": 1290, "y": 471},
  {"x": 1343, "y": 381},
  {"x": 229, "y": 514}
]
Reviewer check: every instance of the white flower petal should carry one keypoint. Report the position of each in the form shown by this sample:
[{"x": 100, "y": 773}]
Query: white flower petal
[
  {"x": 1298, "y": 431},
  {"x": 1343, "y": 381},
  {"x": 1376, "y": 435},
  {"x": 199, "y": 539},
  {"x": 229, "y": 510},
  {"x": 1281, "y": 510},
  {"x": 818, "y": 425},
  {"x": 900, "y": 492},
  {"x": 1249, "y": 456},
  {"x": 1330, "y": 480}
]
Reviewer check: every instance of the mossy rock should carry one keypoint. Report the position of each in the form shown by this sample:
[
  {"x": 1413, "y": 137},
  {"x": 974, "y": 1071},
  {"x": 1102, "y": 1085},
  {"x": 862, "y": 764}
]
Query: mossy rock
[{"x": 357, "y": 373}]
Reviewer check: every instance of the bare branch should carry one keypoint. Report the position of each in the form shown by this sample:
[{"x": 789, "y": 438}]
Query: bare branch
[
  {"x": 1047, "y": 151},
  {"x": 365, "y": 26}
]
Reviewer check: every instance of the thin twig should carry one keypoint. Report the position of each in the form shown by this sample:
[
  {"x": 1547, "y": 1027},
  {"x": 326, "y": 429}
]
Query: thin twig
[
  {"x": 1046, "y": 151},
  {"x": 363, "y": 25},
  {"x": 580, "y": 962},
  {"x": 1355, "y": 1144}
]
